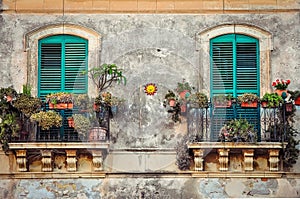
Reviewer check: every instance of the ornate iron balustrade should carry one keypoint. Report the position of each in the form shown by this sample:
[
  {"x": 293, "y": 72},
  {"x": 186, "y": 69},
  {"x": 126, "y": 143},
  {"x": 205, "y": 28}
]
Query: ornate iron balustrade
[
  {"x": 204, "y": 124},
  {"x": 31, "y": 132}
]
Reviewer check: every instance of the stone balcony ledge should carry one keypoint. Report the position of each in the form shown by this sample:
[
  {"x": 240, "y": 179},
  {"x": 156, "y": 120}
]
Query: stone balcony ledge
[
  {"x": 59, "y": 145},
  {"x": 63, "y": 156},
  {"x": 236, "y": 156}
]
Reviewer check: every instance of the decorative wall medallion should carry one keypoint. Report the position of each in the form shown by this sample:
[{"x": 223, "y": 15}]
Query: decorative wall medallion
[{"x": 150, "y": 89}]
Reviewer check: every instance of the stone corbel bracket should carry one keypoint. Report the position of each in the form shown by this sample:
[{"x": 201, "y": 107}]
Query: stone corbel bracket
[{"x": 247, "y": 151}]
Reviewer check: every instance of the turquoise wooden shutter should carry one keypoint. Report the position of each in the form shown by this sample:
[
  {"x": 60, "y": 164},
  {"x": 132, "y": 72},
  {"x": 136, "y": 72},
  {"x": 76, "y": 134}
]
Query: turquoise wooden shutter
[
  {"x": 62, "y": 58},
  {"x": 234, "y": 70}
]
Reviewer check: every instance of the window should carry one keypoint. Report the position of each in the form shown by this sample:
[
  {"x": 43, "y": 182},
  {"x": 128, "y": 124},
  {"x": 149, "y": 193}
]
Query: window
[
  {"x": 234, "y": 70},
  {"x": 62, "y": 59}
]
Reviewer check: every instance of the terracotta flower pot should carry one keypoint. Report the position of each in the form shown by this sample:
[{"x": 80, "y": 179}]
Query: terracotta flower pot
[
  {"x": 249, "y": 105},
  {"x": 279, "y": 92},
  {"x": 297, "y": 101},
  {"x": 225, "y": 104},
  {"x": 172, "y": 102}
]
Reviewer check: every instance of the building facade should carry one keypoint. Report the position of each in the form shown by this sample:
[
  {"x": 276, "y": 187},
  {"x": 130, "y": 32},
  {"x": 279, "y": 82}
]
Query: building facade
[{"x": 218, "y": 47}]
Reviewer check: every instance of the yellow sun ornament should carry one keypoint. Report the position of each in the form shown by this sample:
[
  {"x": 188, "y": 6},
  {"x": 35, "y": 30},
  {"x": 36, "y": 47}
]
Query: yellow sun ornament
[{"x": 150, "y": 89}]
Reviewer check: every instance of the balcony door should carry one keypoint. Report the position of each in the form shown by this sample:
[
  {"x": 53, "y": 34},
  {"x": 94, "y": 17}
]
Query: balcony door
[{"x": 234, "y": 70}]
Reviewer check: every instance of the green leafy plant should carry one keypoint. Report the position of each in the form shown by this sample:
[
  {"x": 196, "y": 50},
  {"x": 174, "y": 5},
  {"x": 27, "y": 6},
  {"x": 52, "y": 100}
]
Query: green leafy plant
[
  {"x": 27, "y": 90},
  {"x": 46, "y": 120},
  {"x": 105, "y": 75},
  {"x": 27, "y": 105},
  {"x": 82, "y": 101},
  {"x": 59, "y": 97},
  {"x": 272, "y": 99},
  {"x": 248, "y": 98},
  {"x": 198, "y": 100},
  {"x": 82, "y": 124},
  {"x": 238, "y": 130},
  {"x": 8, "y": 93},
  {"x": 221, "y": 99},
  {"x": 9, "y": 117},
  {"x": 183, "y": 158},
  {"x": 183, "y": 86}
]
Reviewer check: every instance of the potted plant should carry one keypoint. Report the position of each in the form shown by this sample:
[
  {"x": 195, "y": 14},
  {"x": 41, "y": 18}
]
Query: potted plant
[
  {"x": 8, "y": 93},
  {"x": 248, "y": 100},
  {"x": 271, "y": 100},
  {"x": 46, "y": 120},
  {"x": 237, "y": 130},
  {"x": 183, "y": 89},
  {"x": 281, "y": 85},
  {"x": 102, "y": 100},
  {"x": 115, "y": 103},
  {"x": 27, "y": 104},
  {"x": 222, "y": 100},
  {"x": 82, "y": 125},
  {"x": 105, "y": 75},
  {"x": 198, "y": 100},
  {"x": 82, "y": 102},
  {"x": 60, "y": 100},
  {"x": 295, "y": 95},
  {"x": 170, "y": 99}
]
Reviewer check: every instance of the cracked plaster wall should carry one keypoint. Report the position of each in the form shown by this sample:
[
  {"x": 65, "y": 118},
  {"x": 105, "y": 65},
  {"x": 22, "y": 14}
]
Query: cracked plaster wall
[
  {"x": 152, "y": 48},
  {"x": 181, "y": 188}
]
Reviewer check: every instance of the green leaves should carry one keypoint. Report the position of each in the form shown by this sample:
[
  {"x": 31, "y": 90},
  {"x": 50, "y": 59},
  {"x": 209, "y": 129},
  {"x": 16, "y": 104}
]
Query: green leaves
[{"x": 105, "y": 75}]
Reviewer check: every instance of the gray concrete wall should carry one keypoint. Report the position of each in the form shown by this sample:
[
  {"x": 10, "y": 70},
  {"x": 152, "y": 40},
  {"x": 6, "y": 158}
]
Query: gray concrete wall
[{"x": 158, "y": 49}]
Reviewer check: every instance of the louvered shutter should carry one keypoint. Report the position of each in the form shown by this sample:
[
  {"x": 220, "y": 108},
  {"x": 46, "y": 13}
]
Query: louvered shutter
[
  {"x": 50, "y": 68},
  {"x": 62, "y": 59},
  {"x": 234, "y": 70},
  {"x": 75, "y": 63}
]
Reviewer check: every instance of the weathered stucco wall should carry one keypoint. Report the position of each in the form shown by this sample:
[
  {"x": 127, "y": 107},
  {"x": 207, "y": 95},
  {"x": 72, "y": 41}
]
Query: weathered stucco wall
[
  {"x": 160, "y": 49},
  {"x": 181, "y": 188}
]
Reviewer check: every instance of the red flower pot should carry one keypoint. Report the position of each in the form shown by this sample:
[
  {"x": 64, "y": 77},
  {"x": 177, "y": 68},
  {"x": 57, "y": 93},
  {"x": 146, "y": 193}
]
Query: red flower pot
[{"x": 249, "y": 104}]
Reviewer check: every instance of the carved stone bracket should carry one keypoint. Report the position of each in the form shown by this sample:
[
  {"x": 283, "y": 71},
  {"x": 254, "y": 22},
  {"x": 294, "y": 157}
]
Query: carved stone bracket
[
  {"x": 71, "y": 160},
  {"x": 223, "y": 159},
  {"x": 198, "y": 159},
  {"x": 97, "y": 160},
  {"x": 274, "y": 159},
  {"x": 46, "y": 160},
  {"x": 21, "y": 160},
  {"x": 248, "y": 159}
]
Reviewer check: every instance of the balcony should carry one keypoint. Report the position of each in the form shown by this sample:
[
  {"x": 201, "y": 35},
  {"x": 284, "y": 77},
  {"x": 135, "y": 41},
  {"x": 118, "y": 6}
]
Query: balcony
[{"x": 212, "y": 153}]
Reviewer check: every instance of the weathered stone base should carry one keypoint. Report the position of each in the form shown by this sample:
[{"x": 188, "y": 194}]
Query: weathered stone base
[{"x": 180, "y": 188}]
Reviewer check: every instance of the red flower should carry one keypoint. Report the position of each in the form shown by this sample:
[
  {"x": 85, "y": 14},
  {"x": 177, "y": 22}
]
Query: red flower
[
  {"x": 288, "y": 81},
  {"x": 274, "y": 84}
]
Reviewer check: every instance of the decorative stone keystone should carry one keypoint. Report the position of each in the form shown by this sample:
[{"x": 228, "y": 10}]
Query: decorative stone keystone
[
  {"x": 21, "y": 160},
  {"x": 71, "y": 160},
  {"x": 274, "y": 159},
  {"x": 248, "y": 159},
  {"x": 46, "y": 160},
  {"x": 223, "y": 159},
  {"x": 97, "y": 160},
  {"x": 198, "y": 159}
]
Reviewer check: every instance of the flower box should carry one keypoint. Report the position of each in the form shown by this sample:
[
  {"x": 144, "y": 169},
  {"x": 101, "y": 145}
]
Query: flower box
[
  {"x": 249, "y": 104},
  {"x": 225, "y": 104},
  {"x": 60, "y": 106}
]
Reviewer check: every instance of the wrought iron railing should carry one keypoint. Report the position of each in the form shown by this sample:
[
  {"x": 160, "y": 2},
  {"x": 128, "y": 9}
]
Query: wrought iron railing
[
  {"x": 100, "y": 130},
  {"x": 204, "y": 124}
]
